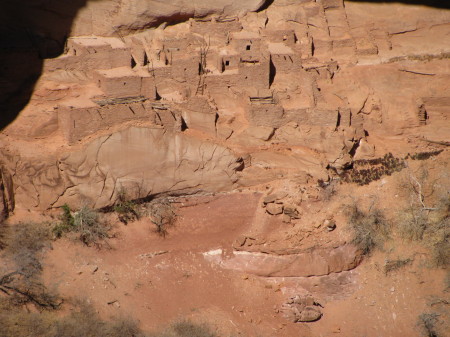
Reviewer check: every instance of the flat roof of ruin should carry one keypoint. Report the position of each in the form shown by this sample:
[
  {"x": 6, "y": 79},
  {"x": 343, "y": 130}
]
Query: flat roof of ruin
[
  {"x": 119, "y": 72},
  {"x": 91, "y": 41},
  {"x": 279, "y": 48},
  {"x": 245, "y": 35}
]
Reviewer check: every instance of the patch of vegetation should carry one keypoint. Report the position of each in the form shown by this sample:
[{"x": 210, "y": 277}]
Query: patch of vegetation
[
  {"x": 427, "y": 323},
  {"x": 22, "y": 290},
  {"x": 187, "y": 329},
  {"x": 86, "y": 222},
  {"x": 126, "y": 209},
  {"x": 392, "y": 265},
  {"x": 3, "y": 230},
  {"x": 24, "y": 244},
  {"x": 365, "y": 171},
  {"x": 20, "y": 282},
  {"x": 430, "y": 227},
  {"x": 423, "y": 155},
  {"x": 447, "y": 282},
  {"x": 162, "y": 215},
  {"x": 67, "y": 222},
  {"x": 92, "y": 231},
  {"x": 371, "y": 229},
  {"x": 83, "y": 321}
]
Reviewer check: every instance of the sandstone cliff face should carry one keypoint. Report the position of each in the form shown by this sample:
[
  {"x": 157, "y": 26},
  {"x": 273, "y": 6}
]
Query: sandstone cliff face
[
  {"x": 226, "y": 97},
  {"x": 128, "y": 16}
]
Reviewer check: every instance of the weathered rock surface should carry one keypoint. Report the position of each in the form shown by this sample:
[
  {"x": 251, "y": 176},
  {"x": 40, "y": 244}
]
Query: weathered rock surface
[
  {"x": 316, "y": 262},
  {"x": 131, "y": 15},
  {"x": 142, "y": 161}
]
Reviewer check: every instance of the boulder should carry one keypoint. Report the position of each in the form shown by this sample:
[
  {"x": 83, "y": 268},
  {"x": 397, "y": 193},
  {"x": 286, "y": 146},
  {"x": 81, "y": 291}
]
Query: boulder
[
  {"x": 274, "y": 209},
  {"x": 301, "y": 309}
]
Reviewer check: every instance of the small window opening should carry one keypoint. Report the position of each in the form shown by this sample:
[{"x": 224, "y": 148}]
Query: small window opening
[
  {"x": 248, "y": 47},
  {"x": 157, "y": 95},
  {"x": 227, "y": 63},
  {"x": 145, "y": 59},
  {"x": 184, "y": 126}
]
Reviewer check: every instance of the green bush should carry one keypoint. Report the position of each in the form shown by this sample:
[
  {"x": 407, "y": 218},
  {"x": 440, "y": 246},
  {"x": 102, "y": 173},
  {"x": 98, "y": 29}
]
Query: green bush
[
  {"x": 67, "y": 222},
  {"x": 126, "y": 209},
  {"x": 86, "y": 222}
]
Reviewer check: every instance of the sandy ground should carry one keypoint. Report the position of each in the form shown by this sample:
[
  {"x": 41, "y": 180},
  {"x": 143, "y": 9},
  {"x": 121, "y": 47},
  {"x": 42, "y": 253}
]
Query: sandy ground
[{"x": 159, "y": 280}]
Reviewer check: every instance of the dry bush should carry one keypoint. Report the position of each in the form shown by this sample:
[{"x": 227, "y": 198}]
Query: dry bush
[
  {"x": 392, "y": 265},
  {"x": 429, "y": 227},
  {"x": 371, "y": 229},
  {"x": 162, "y": 214},
  {"x": 426, "y": 217},
  {"x": 427, "y": 323},
  {"x": 186, "y": 329},
  {"x": 3, "y": 234},
  {"x": 92, "y": 231},
  {"x": 23, "y": 290},
  {"x": 24, "y": 245},
  {"x": 83, "y": 321},
  {"x": 86, "y": 222}
]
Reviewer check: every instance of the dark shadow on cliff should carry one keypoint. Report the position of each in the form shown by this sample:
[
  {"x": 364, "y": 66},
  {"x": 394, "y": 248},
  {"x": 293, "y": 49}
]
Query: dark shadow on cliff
[
  {"x": 430, "y": 3},
  {"x": 30, "y": 31}
]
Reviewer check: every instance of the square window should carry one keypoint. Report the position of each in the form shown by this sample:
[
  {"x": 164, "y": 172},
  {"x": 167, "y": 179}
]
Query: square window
[
  {"x": 227, "y": 63},
  {"x": 248, "y": 47}
]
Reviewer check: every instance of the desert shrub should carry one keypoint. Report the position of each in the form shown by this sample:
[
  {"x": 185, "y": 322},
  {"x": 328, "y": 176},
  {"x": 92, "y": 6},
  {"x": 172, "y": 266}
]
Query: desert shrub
[
  {"x": 371, "y": 229},
  {"x": 23, "y": 290},
  {"x": 92, "y": 231},
  {"x": 66, "y": 224},
  {"x": 447, "y": 282},
  {"x": 162, "y": 215},
  {"x": 186, "y": 329},
  {"x": 24, "y": 244},
  {"x": 430, "y": 227},
  {"x": 412, "y": 223},
  {"x": 3, "y": 233},
  {"x": 86, "y": 222},
  {"x": 427, "y": 324},
  {"x": 126, "y": 209},
  {"x": 83, "y": 321},
  {"x": 21, "y": 282},
  {"x": 392, "y": 265},
  {"x": 189, "y": 329}
]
